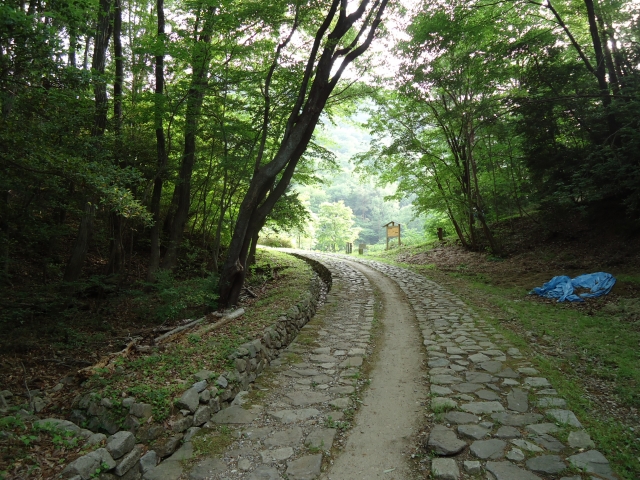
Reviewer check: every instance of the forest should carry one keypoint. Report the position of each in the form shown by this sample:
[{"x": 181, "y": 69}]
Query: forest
[{"x": 143, "y": 140}]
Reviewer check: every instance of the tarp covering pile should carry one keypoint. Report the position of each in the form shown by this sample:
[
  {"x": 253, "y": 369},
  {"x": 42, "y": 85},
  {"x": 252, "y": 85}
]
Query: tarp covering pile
[{"x": 562, "y": 287}]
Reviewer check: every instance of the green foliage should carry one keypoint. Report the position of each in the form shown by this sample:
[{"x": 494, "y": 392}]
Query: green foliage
[
  {"x": 158, "y": 378},
  {"x": 493, "y": 113},
  {"x": 372, "y": 205},
  {"x": 335, "y": 226},
  {"x": 12, "y": 422},
  {"x": 275, "y": 241},
  {"x": 175, "y": 298},
  {"x": 212, "y": 441},
  {"x": 104, "y": 467},
  {"x": 59, "y": 437}
]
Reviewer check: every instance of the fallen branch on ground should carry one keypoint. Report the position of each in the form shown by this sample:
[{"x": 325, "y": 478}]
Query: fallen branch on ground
[
  {"x": 226, "y": 319},
  {"x": 105, "y": 361},
  {"x": 108, "y": 360},
  {"x": 253, "y": 295},
  {"x": 170, "y": 333}
]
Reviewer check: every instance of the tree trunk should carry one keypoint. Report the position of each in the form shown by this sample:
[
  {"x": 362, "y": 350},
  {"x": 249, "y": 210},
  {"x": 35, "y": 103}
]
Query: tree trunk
[
  {"x": 600, "y": 70},
  {"x": 251, "y": 259},
  {"x": 85, "y": 54},
  {"x": 116, "y": 255},
  {"x": 161, "y": 152},
  {"x": 466, "y": 182},
  {"x": 195, "y": 97},
  {"x": 76, "y": 262},
  {"x": 73, "y": 42},
  {"x": 101, "y": 43},
  {"x": 618, "y": 60},
  {"x": 611, "y": 70},
  {"x": 452, "y": 217},
  {"x": 103, "y": 32},
  {"x": 4, "y": 236},
  {"x": 119, "y": 66},
  {"x": 479, "y": 203},
  {"x": 264, "y": 190},
  {"x": 222, "y": 210},
  {"x": 116, "y": 251}
]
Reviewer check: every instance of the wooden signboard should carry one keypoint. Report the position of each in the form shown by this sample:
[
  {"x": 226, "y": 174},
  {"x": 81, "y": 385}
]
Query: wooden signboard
[{"x": 393, "y": 231}]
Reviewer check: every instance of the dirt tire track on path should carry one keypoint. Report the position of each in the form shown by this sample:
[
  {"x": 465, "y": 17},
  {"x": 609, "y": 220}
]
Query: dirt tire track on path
[{"x": 391, "y": 412}]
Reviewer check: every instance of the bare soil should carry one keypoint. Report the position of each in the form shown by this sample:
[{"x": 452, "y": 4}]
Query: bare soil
[{"x": 387, "y": 422}]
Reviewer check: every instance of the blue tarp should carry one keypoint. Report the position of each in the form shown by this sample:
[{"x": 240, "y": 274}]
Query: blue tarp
[{"x": 562, "y": 287}]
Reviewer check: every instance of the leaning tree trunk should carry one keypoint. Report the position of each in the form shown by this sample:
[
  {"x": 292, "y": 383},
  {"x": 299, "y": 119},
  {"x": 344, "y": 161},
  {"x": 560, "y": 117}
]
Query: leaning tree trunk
[
  {"x": 265, "y": 188},
  {"x": 599, "y": 70},
  {"x": 195, "y": 97},
  {"x": 468, "y": 192},
  {"x": 493, "y": 244},
  {"x": 611, "y": 70},
  {"x": 161, "y": 149},
  {"x": 452, "y": 217},
  {"x": 103, "y": 32}
]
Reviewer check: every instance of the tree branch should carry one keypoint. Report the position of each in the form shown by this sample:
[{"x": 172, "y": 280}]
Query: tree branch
[
  {"x": 267, "y": 86},
  {"x": 575, "y": 44},
  {"x": 309, "y": 68}
]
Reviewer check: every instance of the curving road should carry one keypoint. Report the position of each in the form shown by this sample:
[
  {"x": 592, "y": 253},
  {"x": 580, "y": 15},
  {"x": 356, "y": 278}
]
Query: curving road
[{"x": 412, "y": 356}]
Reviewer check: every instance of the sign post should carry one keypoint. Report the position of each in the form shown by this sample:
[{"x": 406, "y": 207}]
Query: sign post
[{"x": 393, "y": 231}]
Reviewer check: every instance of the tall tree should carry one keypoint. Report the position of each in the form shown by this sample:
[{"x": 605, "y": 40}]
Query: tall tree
[
  {"x": 341, "y": 38},
  {"x": 336, "y": 226},
  {"x": 161, "y": 146},
  {"x": 99, "y": 60},
  {"x": 116, "y": 255},
  {"x": 199, "y": 79}
]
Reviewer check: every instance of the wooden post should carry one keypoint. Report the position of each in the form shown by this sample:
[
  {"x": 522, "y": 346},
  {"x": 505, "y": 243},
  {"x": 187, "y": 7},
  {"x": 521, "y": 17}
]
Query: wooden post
[{"x": 440, "y": 234}]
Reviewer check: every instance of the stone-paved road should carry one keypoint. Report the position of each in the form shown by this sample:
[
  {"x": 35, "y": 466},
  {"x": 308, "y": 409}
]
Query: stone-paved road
[{"x": 489, "y": 413}]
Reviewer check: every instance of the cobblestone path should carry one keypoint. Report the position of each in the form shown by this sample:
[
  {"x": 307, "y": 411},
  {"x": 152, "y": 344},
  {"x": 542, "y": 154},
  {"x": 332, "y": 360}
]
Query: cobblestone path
[
  {"x": 489, "y": 414},
  {"x": 493, "y": 415},
  {"x": 304, "y": 399}
]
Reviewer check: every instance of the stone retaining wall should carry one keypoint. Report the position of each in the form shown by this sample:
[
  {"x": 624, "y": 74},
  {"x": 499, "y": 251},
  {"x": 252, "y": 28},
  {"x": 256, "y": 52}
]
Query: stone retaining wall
[{"x": 122, "y": 458}]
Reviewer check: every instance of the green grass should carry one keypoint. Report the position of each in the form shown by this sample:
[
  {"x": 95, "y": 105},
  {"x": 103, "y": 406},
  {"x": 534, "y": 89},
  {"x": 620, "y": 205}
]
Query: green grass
[
  {"x": 602, "y": 344},
  {"x": 603, "y": 341},
  {"x": 212, "y": 441}
]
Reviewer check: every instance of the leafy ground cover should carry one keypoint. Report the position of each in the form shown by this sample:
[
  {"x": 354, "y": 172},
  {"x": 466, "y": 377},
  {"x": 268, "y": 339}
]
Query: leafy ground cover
[
  {"x": 277, "y": 280},
  {"x": 589, "y": 351}
]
